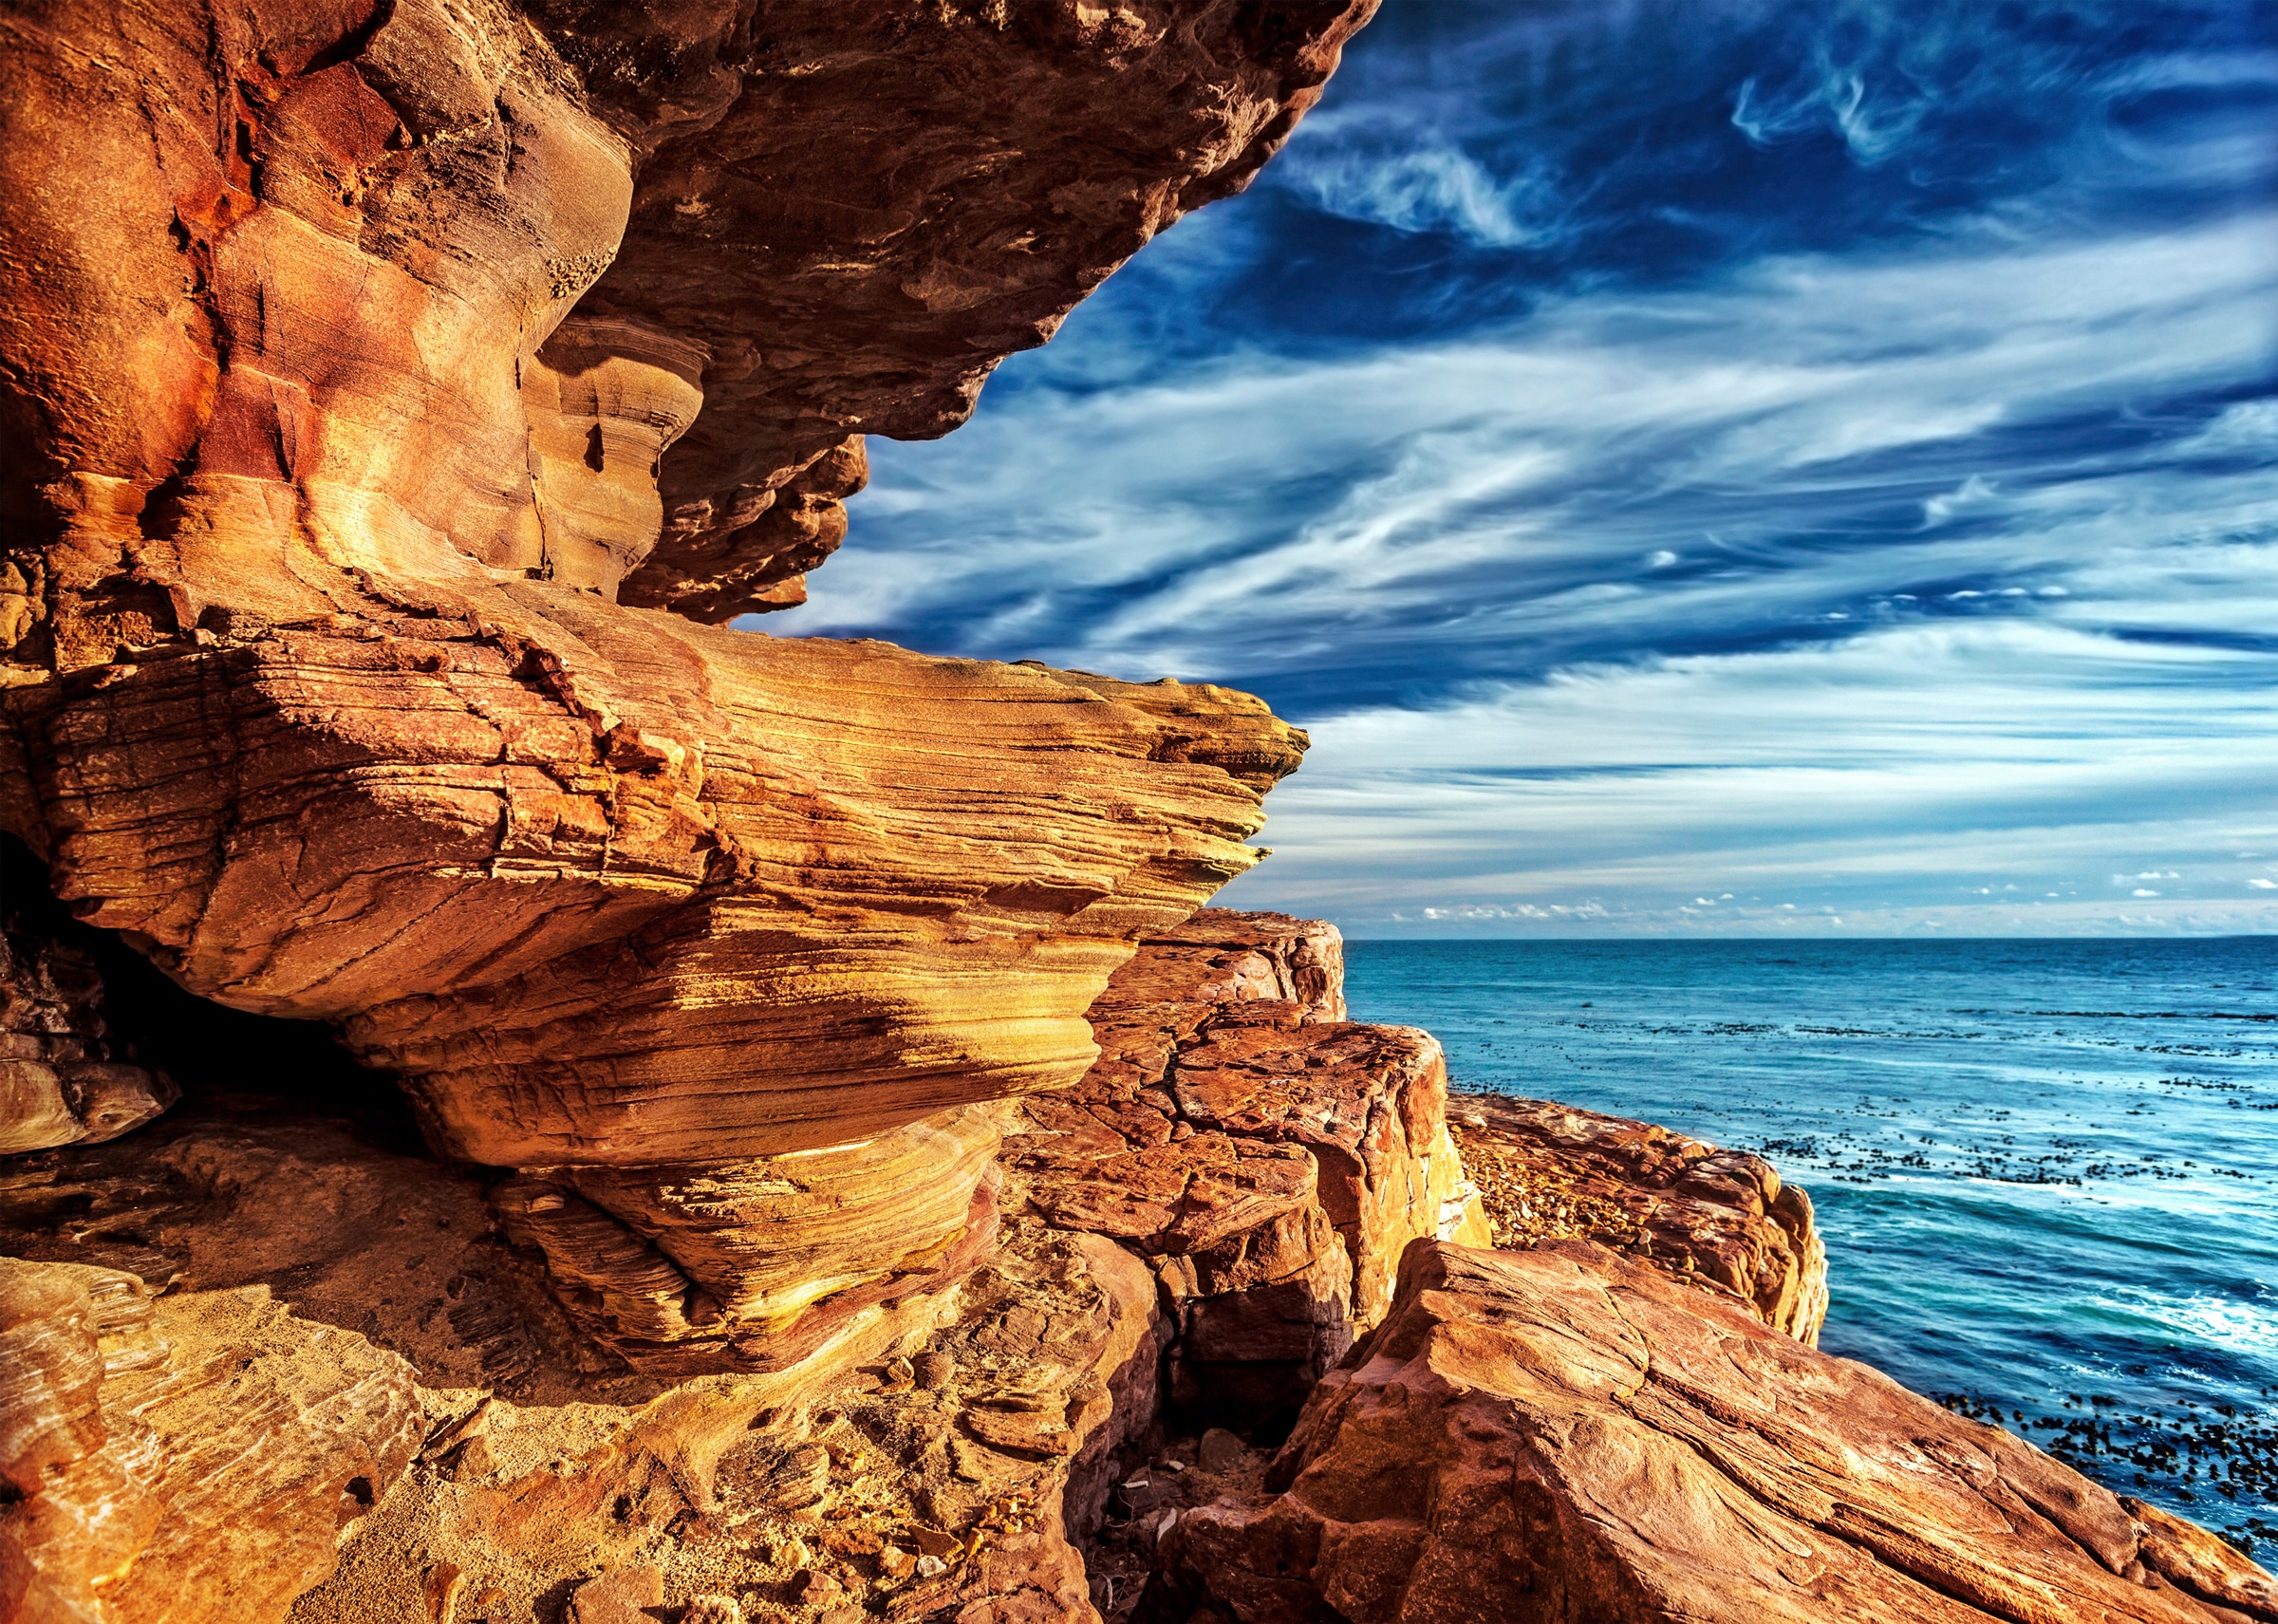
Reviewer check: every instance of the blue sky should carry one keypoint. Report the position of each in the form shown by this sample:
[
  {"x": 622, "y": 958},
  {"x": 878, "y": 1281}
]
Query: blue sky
[{"x": 1706, "y": 467}]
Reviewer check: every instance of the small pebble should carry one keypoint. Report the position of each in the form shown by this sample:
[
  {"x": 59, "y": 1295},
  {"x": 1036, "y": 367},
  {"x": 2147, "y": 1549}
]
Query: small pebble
[{"x": 817, "y": 1589}]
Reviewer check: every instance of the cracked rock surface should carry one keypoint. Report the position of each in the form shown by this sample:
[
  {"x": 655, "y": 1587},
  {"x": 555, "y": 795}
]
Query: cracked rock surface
[
  {"x": 1267, "y": 1157},
  {"x": 188, "y": 1459},
  {"x": 1567, "y": 1434},
  {"x": 419, "y": 357},
  {"x": 1720, "y": 1220}
]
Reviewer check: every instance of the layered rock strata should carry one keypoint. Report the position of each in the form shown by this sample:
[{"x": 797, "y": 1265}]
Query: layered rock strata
[
  {"x": 992, "y": 1447},
  {"x": 511, "y": 1456},
  {"x": 1564, "y": 1433},
  {"x": 1269, "y": 1158},
  {"x": 943, "y": 1448},
  {"x": 189, "y": 1459},
  {"x": 408, "y": 335},
  {"x": 1722, "y": 1219},
  {"x": 341, "y": 242}
]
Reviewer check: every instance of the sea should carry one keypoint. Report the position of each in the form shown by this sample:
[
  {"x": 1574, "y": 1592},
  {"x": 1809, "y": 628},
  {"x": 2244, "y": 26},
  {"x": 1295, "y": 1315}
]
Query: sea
[{"x": 2046, "y": 1170}]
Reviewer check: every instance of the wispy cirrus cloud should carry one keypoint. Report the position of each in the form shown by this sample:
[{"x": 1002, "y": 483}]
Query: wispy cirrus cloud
[
  {"x": 1923, "y": 774},
  {"x": 1681, "y": 358}
]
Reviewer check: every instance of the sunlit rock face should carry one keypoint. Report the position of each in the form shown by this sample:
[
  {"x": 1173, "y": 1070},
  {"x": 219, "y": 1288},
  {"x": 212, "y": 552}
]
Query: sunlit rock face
[
  {"x": 1561, "y": 1433},
  {"x": 1268, "y": 1157},
  {"x": 410, "y": 345},
  {"x": 209, "y": 1443},
  {"x": 1722, "y": 1221}
]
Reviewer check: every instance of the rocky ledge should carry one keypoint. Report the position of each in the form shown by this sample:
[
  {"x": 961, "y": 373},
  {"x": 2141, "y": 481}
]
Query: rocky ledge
[
  {"x": 264, "y": 1366},
  {"x": 1720, "y": 1220},
  {"x": 1565, "y": 1433},
  {"x": 810, "y": 1159},
  {"x": 382, "y": 456},
  {"x": 942, "y": 1449}
]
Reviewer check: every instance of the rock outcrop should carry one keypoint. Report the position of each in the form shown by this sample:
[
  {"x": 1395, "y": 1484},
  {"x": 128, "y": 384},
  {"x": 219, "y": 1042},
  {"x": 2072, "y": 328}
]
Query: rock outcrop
[
  {"x": 327, "y": 298},
  {"x": 407, "y": 336},
  {"x": 63, "y": 1078},
  {"x": 1567, "y": 1434},
  {"x": 189, "y": 1459},
  {"x": 1269, "y": 1158},
  {"x": 944, "y": 1445},
  {"x": 827, "y": 1214},
  {"x": 1011, "y": 1441},
  {"x": 1720, "y": 1220}
]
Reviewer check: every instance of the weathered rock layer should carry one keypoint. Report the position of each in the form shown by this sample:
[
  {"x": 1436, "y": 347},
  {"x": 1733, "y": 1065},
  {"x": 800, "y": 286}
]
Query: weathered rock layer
[
  {"x": 1566, "y": 1434},
  {"x": 936, "y": 1446},
  {"x": 1722, "y": 1219},
  {"x": 1270, "y": 1158},
  {"x": 188, "y": 1459},
  {"x": 1561, "y": 1427},
  {"x": 63, "y": 1078},
  {"x": 404, "y": 337}
]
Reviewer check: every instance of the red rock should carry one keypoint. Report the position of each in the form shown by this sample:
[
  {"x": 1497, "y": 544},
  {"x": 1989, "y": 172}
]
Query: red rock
[
  {"x": 403, "y": 338},
  {"x": 2194, "y": 1562},
  {"x": 1720, "y": 1220},
  {"x": 192, "y": 1458},
  {"x": 62, "y": 1079},
  {"x": 625, "y": 1596},
  {"x": 1563, "y": 1433},
  {"x": 1270, "y": 1158}
]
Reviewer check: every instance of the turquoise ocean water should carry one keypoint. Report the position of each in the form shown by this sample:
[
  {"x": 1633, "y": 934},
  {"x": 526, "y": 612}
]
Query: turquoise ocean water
[{"x": 2047, "y": 1172}]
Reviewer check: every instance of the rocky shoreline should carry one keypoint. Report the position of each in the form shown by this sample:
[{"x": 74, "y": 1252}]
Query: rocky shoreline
[
  {"x": 521, "y": 1103},
  {"x": 1160, "y": 1393}
]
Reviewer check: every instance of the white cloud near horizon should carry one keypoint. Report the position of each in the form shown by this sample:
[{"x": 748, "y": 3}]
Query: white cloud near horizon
[{"x": 1864, "y": 776}]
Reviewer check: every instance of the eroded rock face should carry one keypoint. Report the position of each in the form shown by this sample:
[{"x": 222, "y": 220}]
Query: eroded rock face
[
  {"x": 1563, "y": 1433},
  {"x": 189, "y": 1459},
  {"x": 1268, "y": 1157},
  {"x": 947, "y": 1441},
  {"x": 62, "y": 1078},
  {"x": 983, "y": 1442},
  {"x": 403, "y": 334},
  {"x": 1720, "y": 1220},
  {"x": 857, "y": 237},
  {"x": 341, "y": 240},
  {"x": 402, "y": 1249}
]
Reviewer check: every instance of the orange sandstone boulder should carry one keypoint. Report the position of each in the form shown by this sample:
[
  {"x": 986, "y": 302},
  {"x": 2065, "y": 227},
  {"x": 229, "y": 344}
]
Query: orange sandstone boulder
[
  {"x": 1720, "y": 1220},
  {"x": 1566, "y": 1434}
]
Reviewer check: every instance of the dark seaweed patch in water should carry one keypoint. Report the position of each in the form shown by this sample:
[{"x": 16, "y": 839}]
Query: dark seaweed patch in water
[{"x": 2215, "y": 1459}]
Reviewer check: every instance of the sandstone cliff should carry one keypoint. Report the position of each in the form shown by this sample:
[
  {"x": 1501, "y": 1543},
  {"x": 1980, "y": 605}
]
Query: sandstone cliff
[
  {"x": 848, "y": 1172},
  {"x": 1018, "y": 1441},
  {"x": 405, "y": 337},
  {"x": 941, "y": 1446}
]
